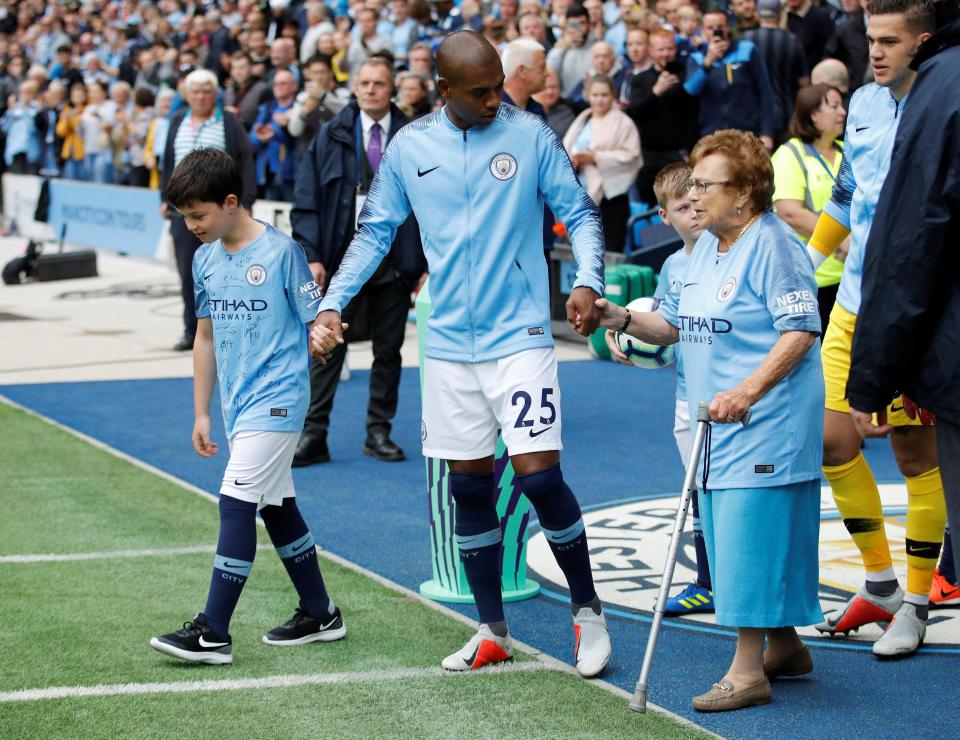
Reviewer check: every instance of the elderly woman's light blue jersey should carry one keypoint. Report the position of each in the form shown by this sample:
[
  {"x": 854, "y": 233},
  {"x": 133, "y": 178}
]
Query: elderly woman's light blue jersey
[
  {"x": 671, "y": 278},
  {"x": 730, "y": 312},
  {"x": 258, "y": 300},
  {"x": 478, "y": 196}
]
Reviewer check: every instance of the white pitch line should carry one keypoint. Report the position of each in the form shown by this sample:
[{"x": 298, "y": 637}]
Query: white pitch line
[
  {"x": 112, "y": 554},
  {"x": 267, "y": 682}
]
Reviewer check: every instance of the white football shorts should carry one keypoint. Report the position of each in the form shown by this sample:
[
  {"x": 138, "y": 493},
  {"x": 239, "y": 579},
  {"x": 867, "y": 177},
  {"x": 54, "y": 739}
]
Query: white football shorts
[
  {"x": 260, "y": 467},
  {"x": 464, "y": 404},
  {"x": 682, "y": 432}
]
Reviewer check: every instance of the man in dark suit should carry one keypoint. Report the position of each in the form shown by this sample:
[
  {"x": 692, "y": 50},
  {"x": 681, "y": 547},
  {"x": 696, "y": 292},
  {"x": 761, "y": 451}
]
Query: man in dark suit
[{"x": 330, "y": 187}]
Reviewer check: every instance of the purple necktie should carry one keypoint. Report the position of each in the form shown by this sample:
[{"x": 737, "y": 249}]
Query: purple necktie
[{"x": 375, "y": 148}]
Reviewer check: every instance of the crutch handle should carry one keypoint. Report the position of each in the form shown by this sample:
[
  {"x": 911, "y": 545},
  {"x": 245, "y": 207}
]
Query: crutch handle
[{"x": 703, "y": 414}]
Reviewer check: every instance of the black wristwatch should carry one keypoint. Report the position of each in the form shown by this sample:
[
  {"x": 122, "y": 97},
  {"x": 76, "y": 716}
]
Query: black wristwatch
[{"x": 626, "y": 323}]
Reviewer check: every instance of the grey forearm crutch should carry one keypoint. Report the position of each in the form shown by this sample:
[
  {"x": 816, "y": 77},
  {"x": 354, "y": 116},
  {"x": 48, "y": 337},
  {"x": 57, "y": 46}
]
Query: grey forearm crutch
[{"x": 639, "y": 701}]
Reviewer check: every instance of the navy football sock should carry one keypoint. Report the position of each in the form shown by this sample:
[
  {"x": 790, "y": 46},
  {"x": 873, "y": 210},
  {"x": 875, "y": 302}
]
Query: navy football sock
[
  {"x": 478, "y": 536},
  {"x": 946, "y": 559},
  {"x": 560, "y": 520},
  {"x": 700, "y": 545},
  {"x": 295, "y": 546},
  {"x": 236, "y": 548}
]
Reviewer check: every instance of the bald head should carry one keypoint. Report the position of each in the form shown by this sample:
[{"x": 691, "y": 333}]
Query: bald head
[
  {"x": 463, "y": 54},
  {"x": 831, "y": 72}
]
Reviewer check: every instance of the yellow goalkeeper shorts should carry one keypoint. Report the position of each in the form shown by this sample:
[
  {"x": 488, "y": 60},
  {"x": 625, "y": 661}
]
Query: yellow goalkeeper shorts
[{"x": 835, "y": 354}]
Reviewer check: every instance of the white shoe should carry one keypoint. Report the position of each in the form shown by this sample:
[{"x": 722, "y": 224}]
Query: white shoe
[
  {"x": 591, "y": 649},
  {"x": 484, "y": 648},
  {"x": 903, "y": 635}
]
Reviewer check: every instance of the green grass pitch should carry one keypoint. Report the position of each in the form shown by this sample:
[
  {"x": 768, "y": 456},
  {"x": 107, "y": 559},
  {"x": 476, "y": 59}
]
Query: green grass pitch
[{"x": 83, "y": 623}]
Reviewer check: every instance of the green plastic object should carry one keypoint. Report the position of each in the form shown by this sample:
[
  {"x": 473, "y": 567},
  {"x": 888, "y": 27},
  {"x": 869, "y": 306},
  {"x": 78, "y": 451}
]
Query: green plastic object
[
  {"x": 641, "y": 280},
  {"x": 449, "y": 581}
]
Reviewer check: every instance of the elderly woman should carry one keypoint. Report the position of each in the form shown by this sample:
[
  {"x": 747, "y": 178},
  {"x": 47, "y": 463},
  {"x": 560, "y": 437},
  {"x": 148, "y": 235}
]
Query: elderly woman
[
  {"x": 200, "y": 125},
  {"x": 604, "y": 147},
  {"x": 746, "y": 317},
  {"x": 804, "y": 170}
]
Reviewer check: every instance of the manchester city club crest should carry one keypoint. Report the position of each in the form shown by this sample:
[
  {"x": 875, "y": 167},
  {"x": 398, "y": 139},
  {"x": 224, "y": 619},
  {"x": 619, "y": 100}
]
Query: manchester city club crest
[
  {"x": 256, "y": 275},
  {"x": 727, "y": 289},
  {"x": 503, "y": 166},
  {"x": 629, "y": 542}
]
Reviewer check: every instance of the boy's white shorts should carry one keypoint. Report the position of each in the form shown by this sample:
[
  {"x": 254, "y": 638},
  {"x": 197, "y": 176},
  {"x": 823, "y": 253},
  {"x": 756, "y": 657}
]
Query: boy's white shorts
[
  {"x": 260, "y": 467},
  {"x": 682, "y": 432},
  {"x": 465, "y": 403}
]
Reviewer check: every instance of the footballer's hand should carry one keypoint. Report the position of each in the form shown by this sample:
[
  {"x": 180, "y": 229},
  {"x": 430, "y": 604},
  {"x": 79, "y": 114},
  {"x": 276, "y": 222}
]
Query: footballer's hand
[
  {"x": 582, "y": 311},
  {"x": 610, "y": 337},
  {"x": 202, "y": 444},
  {"x": 865, "y": 426},
  {"x": 730, "y": 406},
  {"x": 913, "y": 411}
]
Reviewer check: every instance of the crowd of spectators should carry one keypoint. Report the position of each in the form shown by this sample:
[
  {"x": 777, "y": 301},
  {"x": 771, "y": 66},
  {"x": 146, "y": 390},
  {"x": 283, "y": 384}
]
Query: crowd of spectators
[{"x": 89, "y": 88}]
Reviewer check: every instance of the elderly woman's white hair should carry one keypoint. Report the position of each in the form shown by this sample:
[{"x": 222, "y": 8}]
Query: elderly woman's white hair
[
  {"x": 164, "y": 93},
  {"x": 519, "y": 51},
  {"x": 199, "y": 78}
]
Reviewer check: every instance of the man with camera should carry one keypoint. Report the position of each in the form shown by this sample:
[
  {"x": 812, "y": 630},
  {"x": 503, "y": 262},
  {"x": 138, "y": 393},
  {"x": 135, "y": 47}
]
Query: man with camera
[
  {"x": 665, "y": 114},
  {"x": 732, "y": 83},
  {"x": 571, "y": 55}
]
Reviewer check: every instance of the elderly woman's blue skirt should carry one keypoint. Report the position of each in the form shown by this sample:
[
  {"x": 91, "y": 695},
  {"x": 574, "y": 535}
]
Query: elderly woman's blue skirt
[{"x": 763, "y": 545}]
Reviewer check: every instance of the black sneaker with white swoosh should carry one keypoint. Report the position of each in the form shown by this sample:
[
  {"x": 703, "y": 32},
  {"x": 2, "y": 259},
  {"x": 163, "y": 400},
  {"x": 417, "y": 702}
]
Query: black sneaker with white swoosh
[
  {"x": 301, "y": 629},
  {"x": 197, "y": 643}
]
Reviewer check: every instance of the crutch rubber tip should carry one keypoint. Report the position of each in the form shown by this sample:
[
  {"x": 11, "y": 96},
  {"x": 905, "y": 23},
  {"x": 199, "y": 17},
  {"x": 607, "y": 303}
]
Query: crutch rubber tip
[{"x": 639, "y": 701}]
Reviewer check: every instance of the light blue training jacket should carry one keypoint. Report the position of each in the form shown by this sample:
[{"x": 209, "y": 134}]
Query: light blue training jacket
[
  {"x": 478, "y": 196},
  {"x": 867, "y": 150}
]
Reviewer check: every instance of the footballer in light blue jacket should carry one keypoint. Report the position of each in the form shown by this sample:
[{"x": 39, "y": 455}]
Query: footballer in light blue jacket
[
  {"x": 478, "y": 195},
  {"x": 477, "y": 174}
]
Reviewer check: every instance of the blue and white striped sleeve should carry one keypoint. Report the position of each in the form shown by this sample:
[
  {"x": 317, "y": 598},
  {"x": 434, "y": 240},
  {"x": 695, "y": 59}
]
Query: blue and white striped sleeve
[
  {"x": 838, "y": 207},
  {"x": 385, "y": 208},
  {"x": 572, "y": 207}
]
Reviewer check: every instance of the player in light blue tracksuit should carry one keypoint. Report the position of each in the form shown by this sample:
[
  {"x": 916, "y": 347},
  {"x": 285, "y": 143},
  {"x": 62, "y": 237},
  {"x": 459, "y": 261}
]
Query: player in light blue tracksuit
[{"x": 476, "y": 175}]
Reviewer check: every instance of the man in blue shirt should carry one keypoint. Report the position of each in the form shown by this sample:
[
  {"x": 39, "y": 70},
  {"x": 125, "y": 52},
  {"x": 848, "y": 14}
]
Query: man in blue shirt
[
  {"x": 477, "y": 175},
  {"x": 254, "y": 293},
  {"x": 732, "y": 83}
]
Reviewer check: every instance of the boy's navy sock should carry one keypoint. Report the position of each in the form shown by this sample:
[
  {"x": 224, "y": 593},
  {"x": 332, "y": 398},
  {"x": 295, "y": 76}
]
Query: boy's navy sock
[
  {"x": 295, "y": 546},
  {"x": 477, "y": 528},
  {"x": 236, "y": 549},
  {"x": 700, "y": 545}
]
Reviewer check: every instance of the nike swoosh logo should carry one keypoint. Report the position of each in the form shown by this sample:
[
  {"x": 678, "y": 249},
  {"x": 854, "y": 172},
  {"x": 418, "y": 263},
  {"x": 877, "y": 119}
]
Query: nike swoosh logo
[
  {"x": 204, "y": 643},
  {"x": 862, "y": 128},
  {"x": 231, "y": 565},
  {"x": 949, "y": 594},
  {"x": 421, "y": 173},
  {"x": 302, "y": 546},
  {"x": 537, "y": 434},
  {"x": 207, "y": 275},
  {"x": 687, "y": 285},
  {"x": 896, "y": 408},
  {"x": 238, "y": 483},
  {"x": 331, "y": 623},
  {"x": 473, "y": 657}
]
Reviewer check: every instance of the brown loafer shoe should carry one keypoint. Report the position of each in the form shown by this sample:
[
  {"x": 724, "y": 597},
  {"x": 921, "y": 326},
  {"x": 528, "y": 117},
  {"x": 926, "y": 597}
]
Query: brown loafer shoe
[
  {"x": 798, "y": 663},
  {"x": 722, "y": 696}
]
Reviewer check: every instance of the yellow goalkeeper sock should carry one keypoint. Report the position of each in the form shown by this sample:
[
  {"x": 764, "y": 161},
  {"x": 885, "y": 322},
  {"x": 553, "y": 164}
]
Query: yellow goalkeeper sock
[
  {"x": 926, "y": 517},
  {"x": 858, "y": 501}
]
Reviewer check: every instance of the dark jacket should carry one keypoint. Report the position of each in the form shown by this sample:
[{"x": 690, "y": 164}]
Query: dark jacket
[
  {"x": 324, "y": 198},
  {"x": 849, "y": 44},
  {"x": 248, "y": 100},
  {"x": 668, "y": 122},
  {"x": 237, "y": 147},
  {"x": 734, "y": 93},
  {"x": 908, "y": 333}
]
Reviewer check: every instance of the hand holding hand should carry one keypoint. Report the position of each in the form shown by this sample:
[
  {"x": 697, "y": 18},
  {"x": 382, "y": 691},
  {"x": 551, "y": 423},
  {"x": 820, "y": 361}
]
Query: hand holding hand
[{"x": 582, "y": 311}]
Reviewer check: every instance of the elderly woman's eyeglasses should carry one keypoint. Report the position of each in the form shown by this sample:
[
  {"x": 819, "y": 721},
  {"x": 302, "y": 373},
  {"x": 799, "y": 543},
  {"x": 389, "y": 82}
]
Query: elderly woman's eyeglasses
[{"x": 701, "y": 186}]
